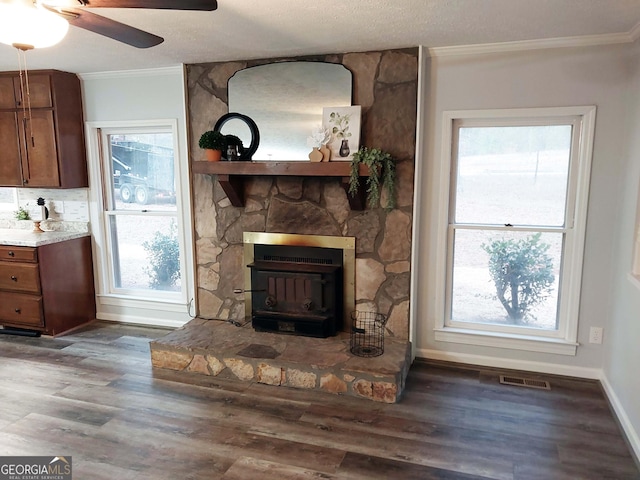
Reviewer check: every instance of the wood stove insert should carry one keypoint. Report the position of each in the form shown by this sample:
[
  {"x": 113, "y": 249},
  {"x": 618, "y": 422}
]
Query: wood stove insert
[{"x": 297, "y": 290}]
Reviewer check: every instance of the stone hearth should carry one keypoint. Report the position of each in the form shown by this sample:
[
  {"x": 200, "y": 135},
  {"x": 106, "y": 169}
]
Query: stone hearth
[{"x": 218, "y": 348}]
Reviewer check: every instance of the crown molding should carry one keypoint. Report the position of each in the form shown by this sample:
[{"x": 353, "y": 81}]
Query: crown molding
[
  {"x": 146, "y": 72},
  {"x": 539, "y": 44}
]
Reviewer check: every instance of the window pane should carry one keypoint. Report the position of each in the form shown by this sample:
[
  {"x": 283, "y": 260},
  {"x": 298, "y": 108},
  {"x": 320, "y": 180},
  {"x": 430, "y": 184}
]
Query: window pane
[
  {"x": 506, "y": 278},
  {"x": 512, "y": 175},
  {"x": 143, "y": 171},
  {"x": 145, "y": 254}
]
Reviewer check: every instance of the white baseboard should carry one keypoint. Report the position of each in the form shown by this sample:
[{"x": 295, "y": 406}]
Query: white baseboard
[
  {"x": 631, "y": 433},
  {"x": 147, "y": 322},
  {"x": 526, "y": 365}
]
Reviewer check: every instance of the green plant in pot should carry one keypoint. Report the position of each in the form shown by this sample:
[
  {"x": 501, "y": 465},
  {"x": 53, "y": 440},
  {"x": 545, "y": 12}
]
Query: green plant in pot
[
  {"x": 382, "y": 175},
  {"x": 213, "y": 143},
  {"x": 22, "y": 214},
  {"x": 232, "y": 141}
]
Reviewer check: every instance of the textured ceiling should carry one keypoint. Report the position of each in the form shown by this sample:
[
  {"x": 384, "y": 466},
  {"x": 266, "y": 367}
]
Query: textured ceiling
[{"x": 245, "y": 29}]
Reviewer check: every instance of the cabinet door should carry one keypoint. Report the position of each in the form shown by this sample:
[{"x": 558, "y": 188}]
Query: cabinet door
[
  {"x": 19, "y": 277},
  {"x": 15, "y": 90},
  {"x": 7, "y": 96},
  {"x": 40, "y": 163},
  {"x": 10, "y": 253},
  {"x": 38, "y": 91},
  {"x": 10, "y": 174},
  {"x": 20, "y": 309}
]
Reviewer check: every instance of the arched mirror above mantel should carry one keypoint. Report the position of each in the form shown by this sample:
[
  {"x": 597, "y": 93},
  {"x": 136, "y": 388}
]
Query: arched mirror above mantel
[{"x": 285, "y": 100}]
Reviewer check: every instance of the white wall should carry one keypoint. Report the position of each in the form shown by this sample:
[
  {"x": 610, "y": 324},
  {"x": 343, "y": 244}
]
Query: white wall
[
  {"x": 142, "y": 95},
  {"x": 544, "y": 78},
  {"x": 134, "y": 95},
  {"x": 622, "y": 352}
]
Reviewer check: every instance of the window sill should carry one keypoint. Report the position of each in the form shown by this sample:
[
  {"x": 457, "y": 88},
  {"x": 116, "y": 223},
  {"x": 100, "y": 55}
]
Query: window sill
[
  {"x": 155, "y": 303},
  {"x": 503, "y": 340}
]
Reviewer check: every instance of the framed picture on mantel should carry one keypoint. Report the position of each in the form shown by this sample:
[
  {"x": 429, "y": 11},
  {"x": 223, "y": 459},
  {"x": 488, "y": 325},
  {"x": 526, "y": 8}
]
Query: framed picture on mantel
[{"x": 344, "y": 125}]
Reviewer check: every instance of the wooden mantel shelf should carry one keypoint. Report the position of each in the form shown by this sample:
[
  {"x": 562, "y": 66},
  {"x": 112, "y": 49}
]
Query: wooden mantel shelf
[{"x": 231, "y": 175}]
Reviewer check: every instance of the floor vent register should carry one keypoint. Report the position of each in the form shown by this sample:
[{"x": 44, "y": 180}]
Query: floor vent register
[{"x": 524, "y": 382}]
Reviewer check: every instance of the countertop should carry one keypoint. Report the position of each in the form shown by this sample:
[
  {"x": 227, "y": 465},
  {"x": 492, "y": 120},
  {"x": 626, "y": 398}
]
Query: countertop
[{"x": 28, "y": 238}]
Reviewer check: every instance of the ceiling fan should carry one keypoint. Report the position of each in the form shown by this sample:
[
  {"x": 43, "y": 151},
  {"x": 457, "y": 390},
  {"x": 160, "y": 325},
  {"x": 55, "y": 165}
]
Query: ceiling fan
[{"x": 75, "y": 13}]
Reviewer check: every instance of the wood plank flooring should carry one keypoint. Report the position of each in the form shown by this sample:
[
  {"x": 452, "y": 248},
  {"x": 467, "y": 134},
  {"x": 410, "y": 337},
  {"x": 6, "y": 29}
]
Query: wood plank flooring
[{"x": 92, "y": 395}]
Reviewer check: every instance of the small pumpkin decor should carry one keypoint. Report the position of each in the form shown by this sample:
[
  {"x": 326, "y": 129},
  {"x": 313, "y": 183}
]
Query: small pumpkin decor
[
  {"x": 213, "y": 143},
  {"x": 382, "y": 175}
]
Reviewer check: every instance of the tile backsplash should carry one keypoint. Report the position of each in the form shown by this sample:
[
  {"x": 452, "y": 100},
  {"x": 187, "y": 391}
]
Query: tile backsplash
[
  {"x": 69, "y": 205},
  {"x": 68, "y": 208}
]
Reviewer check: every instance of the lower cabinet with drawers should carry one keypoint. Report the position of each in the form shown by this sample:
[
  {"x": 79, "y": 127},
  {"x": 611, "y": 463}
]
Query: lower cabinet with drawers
[{"x": 48, "y": 288}]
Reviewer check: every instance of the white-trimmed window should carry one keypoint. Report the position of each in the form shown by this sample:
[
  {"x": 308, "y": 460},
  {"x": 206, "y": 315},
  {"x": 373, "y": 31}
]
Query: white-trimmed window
[
  {"x": 514, "y": 202},
  {"x": 140, "y": 219},
  {"x": 140, "y": 211}
]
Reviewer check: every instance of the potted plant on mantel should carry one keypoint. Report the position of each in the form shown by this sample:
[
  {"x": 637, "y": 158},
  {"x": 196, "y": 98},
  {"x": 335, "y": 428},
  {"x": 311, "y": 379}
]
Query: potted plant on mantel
[
  {"x": 213, "y": 142},
  {"x": 382, "y": 174}
]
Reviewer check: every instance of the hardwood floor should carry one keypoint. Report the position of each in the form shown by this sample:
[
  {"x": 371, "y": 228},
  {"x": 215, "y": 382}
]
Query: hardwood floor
[{"x": 93, "y": 396}]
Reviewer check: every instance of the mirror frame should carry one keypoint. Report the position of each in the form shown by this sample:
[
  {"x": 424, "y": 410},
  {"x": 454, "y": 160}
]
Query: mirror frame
[{"x": 247, "y": 152}]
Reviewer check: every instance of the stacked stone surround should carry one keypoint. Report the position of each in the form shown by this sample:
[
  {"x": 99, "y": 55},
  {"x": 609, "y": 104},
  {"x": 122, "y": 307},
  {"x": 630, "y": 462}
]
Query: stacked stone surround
[
  {"x": 385, "y": 85},
  {"x": 219, "y": 349}
]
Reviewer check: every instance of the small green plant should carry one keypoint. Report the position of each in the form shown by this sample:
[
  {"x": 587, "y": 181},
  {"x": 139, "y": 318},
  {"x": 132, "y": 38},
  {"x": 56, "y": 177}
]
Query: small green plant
[
  {"x": 213, "y": 140},
  {"x": 22, "y": 214},
  {"x": 382, "y": 175},
  {"x": 522, "y": 272},
  {"x": 164, "y": 259}
]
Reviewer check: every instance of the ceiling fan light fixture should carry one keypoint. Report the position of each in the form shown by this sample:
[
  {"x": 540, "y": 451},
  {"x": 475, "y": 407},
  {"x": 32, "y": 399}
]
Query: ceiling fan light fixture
[{"x": 26, "y": 24}]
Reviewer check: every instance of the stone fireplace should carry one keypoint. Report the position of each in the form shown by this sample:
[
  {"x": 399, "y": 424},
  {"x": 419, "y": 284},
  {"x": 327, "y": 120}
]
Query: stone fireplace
[{"x": 385, "y": 85}]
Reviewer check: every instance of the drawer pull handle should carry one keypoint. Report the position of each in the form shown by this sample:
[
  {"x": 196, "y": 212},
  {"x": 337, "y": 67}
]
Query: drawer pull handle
[
  {"x": 12, "y": 253},
  {"x": 17, "y": 310},
  {"x": 14, "y": 278}
]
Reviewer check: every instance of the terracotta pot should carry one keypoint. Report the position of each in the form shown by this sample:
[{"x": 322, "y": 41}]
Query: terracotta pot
[{"x": 213, "y": 155}]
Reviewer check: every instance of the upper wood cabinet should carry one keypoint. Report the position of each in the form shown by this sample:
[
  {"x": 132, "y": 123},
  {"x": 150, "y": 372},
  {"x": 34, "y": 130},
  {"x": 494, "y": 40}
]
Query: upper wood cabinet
[
  {"x": 13, "y": 91},
  {"x": 41, "y": 130}
]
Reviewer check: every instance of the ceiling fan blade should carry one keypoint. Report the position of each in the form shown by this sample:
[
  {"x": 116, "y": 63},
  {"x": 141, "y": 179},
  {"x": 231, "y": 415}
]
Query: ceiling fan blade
[
  {"x": 206, "y": 5},
  {"x": 110, "y": 28}
]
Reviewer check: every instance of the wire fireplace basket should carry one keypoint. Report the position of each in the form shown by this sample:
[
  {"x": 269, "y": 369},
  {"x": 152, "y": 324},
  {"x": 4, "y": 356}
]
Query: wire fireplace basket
[{"x": 367, "y": 333}]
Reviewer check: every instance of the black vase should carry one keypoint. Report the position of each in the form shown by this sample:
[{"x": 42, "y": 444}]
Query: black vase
[{"x": 344, "y": 148}]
